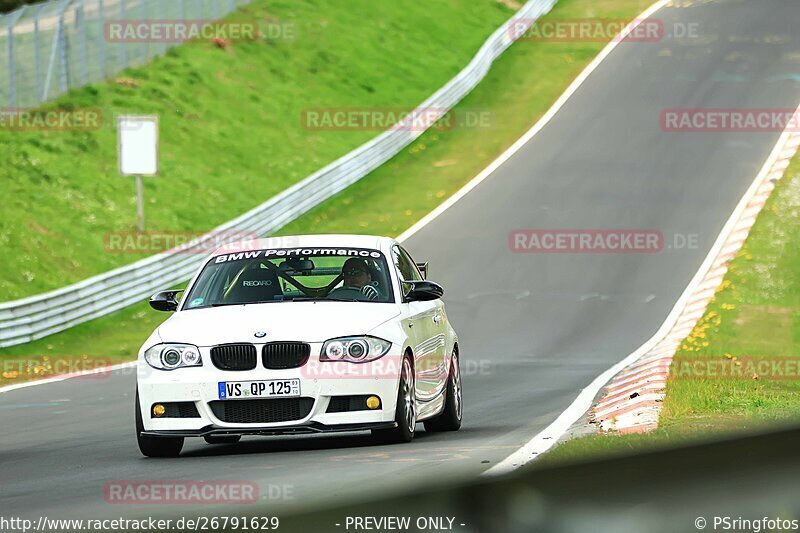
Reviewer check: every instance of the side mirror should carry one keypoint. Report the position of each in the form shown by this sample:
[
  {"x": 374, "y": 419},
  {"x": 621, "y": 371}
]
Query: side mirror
[
  {"x": 422, "y": 291},
  {"x": 165, "y": 301},
  {"x": 423, "y": 268}
]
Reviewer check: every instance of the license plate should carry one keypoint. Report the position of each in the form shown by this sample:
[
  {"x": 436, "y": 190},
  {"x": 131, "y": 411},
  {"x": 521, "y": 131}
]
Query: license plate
[{"x": 283, "y": 388}]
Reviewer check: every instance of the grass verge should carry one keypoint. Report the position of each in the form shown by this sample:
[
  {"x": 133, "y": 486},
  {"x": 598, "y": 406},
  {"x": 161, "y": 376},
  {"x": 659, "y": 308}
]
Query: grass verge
[
  {"x": 519, "y": 89},
  {"x": 749, "y": 338}
]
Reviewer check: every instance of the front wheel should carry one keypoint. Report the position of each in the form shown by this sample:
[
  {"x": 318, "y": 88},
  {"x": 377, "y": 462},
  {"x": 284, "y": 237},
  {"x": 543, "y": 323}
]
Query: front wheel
[
  {"x": 155, "y": 446},
  {"x": 450, "y": 417},
  {"x": 406, "y": 411}
]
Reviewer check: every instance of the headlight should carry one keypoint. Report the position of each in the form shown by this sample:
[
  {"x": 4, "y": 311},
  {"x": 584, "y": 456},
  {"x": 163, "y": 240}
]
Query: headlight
[
  {"x": 334, "y": 350},
  {"x": 172, "y": 356},
  {"x": 354, "y": 349}
]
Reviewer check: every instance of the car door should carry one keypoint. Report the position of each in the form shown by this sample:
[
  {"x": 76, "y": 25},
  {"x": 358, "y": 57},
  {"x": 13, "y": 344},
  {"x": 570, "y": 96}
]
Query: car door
[{"x": 428, "y": 333}]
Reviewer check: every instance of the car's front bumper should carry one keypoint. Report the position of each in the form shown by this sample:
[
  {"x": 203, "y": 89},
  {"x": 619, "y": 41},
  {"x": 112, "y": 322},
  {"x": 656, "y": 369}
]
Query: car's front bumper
[
  {"x": 200, "y": 386},
  {"x": 310, "y": 428}
]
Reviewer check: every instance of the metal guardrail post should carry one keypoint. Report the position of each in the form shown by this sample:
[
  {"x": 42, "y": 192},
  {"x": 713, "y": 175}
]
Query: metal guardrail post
[
  {"x": 80, "y": 23},
  {"x": 161, "y": 16},
  {"x": 63, "y": 79},
  {"x": 123, "y": 53},
  {"x": 102, "y": 44},
  {"x": 38, "y": 55},
  {"x": 12, "y": 85},
  {"x": 54, "y": 49},
  {"x": 12, "y": 74},
  {"x": 143, "y": 15},
  {"x": 71, "y": 56}
]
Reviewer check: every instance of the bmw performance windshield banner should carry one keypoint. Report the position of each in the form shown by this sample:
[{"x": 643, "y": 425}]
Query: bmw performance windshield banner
[{"x": 298, "y": 252}]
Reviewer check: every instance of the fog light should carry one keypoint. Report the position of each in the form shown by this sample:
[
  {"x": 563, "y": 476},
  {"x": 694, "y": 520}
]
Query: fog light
[
  {"x": 373, "y": 402},
  {"x": 158, "y": 410}
]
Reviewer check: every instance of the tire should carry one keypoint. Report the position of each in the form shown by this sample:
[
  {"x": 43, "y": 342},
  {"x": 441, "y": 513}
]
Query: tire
[
  {"x": 450, "y": 417},
  {"x": 222, "y": 439},
  {"x": 155, "y": 446},
  {"x": 406, "y": 411}
]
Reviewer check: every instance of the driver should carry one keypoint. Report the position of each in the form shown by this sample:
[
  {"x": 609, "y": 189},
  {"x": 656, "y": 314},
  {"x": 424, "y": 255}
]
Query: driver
[{"x": 357, "y": 276}]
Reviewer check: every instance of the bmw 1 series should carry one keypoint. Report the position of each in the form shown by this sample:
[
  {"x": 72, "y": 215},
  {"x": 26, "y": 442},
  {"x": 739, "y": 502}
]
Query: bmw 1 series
[{"x": 299, "y": 335}]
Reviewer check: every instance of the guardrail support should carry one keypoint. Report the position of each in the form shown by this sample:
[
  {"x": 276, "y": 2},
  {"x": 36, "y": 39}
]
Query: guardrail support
[
  {"x": 12, "y": 77},
  {"x": 37, "y": 52},
  {"x": 80, "y": 22},
  {"x": 123, "y": 52},
  {"x": 63, "y": 77},
  {"x": 102, "y": 43},
  {"x": 73, "y": 48}
]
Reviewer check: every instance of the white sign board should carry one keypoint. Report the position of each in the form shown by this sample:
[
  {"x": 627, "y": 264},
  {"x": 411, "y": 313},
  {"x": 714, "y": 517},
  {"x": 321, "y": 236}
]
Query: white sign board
[{"x": 137, "y": 144}]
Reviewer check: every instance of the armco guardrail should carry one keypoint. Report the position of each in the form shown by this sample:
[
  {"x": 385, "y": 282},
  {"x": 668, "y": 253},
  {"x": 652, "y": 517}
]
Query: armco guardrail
[
  {"x": 35, "y": 317},
  {"x": 54, "y": 46}
]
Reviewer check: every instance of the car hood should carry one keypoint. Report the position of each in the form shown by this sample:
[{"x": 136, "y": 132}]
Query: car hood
[{"x": 298, "y": 321}]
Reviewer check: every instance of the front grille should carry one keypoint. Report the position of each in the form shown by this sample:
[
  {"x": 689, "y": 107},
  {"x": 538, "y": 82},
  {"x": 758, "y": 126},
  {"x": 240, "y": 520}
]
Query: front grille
[
  {"x": 344, "y": 404},
  {"x": 234, "y": 356},
  {"x": 261, "y": 411},
  {"x": 178, "y": 410},
  {"x": 281, "y": 355}
]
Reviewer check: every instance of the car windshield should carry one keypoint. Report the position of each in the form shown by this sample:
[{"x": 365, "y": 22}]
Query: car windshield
[{"x": 285, "y": 275}]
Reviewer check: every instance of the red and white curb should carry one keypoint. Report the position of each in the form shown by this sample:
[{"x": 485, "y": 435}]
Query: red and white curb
[{"x": 633, "y": 398}]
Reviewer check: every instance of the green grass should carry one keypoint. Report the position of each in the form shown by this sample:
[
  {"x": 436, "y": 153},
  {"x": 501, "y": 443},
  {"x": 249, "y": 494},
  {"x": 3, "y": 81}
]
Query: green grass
[
  {"x": 753, "y": 319},
  {"x": 519, "y": 89},
  {"x": 231, "y": 129}
]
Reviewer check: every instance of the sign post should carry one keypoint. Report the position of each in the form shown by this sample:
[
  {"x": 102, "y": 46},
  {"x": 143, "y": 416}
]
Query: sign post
[{"x": 137, "y": 151}]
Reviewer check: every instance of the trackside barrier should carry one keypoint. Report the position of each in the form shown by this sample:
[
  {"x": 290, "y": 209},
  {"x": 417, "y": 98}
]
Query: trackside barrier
[
  {"x": 51, "y": 47},
  {"x": 44, "y": 314}
]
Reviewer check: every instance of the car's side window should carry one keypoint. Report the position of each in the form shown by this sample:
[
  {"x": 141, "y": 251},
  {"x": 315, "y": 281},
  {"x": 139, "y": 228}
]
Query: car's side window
[{"x": 405, "y": 265}]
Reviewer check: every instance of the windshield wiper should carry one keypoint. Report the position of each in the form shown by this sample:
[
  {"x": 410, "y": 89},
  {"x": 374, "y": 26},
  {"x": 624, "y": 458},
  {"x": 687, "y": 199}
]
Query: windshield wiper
[
  {"x": 222, "y": 304},
  {"x": 325, "y": 300}
]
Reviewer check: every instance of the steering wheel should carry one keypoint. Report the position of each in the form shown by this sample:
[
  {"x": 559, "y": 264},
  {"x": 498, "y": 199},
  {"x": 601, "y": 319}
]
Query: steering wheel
[{"x": 313, "y": 292}]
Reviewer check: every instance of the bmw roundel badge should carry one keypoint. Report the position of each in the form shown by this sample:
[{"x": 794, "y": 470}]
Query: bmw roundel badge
[{"x": 260, "y": 334}]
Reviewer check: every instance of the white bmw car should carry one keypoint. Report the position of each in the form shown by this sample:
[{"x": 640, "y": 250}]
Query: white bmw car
[{"x": 296, "y": 335}]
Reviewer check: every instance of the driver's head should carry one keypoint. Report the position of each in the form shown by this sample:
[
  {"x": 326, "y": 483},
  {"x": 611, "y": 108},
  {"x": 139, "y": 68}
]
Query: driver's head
[{"x": 356, "y": 272}]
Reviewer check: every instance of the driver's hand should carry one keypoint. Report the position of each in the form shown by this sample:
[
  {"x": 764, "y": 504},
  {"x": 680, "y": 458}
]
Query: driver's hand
[{"x": 370, "y": 292}]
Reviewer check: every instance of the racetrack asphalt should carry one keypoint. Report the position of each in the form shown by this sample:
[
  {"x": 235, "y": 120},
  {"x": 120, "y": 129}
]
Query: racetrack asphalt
[{"x": 534, "y": 328}]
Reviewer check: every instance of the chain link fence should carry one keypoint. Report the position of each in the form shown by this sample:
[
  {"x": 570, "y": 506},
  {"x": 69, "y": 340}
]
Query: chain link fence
[{"x": 49, "y": 48}]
